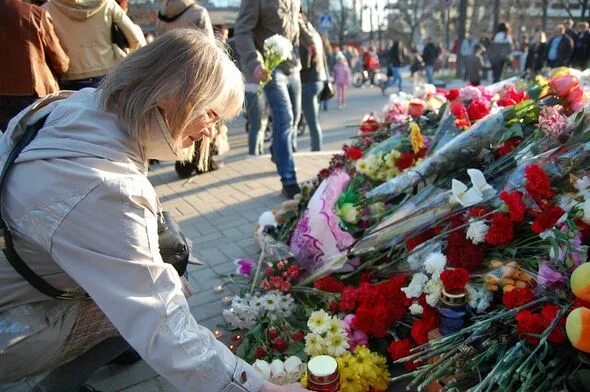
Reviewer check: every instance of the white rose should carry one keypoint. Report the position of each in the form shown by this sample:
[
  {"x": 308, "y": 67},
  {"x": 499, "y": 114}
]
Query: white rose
[
  {"x": 263, "y": 368},
  {"x": 277, "y": 372}
]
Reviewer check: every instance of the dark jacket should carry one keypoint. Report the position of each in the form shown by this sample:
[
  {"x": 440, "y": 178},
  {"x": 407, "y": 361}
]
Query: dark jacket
[
  {"x": 581, "y": 49},
  {"x": 395, "y": 57},
  {"x": 313, "y": 65},
  {"x": 564, "y": 51},
  {"x": 31, "y": 57},
  {"x": 473, "y": 67},
  {"x": 430, "y": 53},
  {"x": 536, "y": 56}
]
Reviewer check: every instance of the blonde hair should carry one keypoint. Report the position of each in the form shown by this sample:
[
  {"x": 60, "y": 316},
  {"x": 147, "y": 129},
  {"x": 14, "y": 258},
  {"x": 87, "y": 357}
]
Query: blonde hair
[{"x": 183, "y": 65}]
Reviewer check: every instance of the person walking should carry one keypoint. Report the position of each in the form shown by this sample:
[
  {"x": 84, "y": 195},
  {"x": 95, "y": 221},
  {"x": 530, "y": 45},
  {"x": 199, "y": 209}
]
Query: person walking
[
  {"x": 342, "y": 78},
  {"x": 313, "y": 75},
  {"x": 256, "y": 22},
  {"x": 581, "y": 54},
  {"x": 430, "y": 55},
  {"x": 183, "y": 14},
  {"x": 467, "y": 50},
  {"x": 500, "y": 50},
  {"x": 88, "y": 224},
  {"x": 84, "y": 28},
  {"x": 474, "y": 65},
  {"x": 537, "y": 53},
  {"x": 560, "y": 48},
  {"x": 395, "y": 60},
  {"x": 31, "y": 57}
]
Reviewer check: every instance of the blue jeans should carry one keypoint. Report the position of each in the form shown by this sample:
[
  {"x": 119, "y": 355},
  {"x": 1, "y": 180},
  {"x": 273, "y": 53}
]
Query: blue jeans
[
  {"x": 430, "y": 73},
  {"x": 396, "y": 77},
  {"x": 311, "y": 107},
  {"x": 257, "y": 113},
  {"x": 283, "y": 93}
]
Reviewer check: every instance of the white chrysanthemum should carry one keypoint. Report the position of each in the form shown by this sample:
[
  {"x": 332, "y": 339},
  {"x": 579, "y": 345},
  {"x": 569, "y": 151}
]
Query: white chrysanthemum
[
  {"x": 336, "y": 344},
  {"x": 479, "y": 300},
  {"x": 435, "y": 264},
  {"x": 586, "y": 209},
  {"x": 416, "y": 309},
  {"x": 314, "y": 344},
  {"x": 336, "y": 326},
  {"x": 270, "y": 302},
  {"x": 433, "y": 290},
  {"x": 416, "y": 286},
  {"x": 477, "y": 231},
  {"x": 319, "y": 321},
  {"x": 280, "y": 45}
]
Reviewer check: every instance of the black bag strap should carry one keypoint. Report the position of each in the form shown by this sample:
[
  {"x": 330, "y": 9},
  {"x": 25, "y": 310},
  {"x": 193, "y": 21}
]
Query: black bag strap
[{"x": 8, "y": 245}]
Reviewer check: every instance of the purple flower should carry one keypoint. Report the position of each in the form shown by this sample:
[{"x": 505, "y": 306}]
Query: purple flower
[
  {"x": 549, "y": 277},
  {"x": 244, "y": 266}
]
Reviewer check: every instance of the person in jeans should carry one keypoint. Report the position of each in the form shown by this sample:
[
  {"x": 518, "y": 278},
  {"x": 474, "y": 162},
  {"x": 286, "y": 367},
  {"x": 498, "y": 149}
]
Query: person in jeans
[
  {"x": 313, "y": 74},
  {"x": 84, "y": 30},
  {"x": 258, "y": 20},
  {"x": 89, "y": 224},
  {"x": 581, "y": 54},
  {"x": 257, "y": 113},
  {"x": 32, "y": 57},
  {"x": 429, "y": 56},
  {"x": 395, "y": 59}
]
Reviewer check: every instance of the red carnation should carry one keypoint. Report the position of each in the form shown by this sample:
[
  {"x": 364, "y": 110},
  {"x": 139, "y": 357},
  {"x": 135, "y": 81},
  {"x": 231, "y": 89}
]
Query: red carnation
[
  {"x": 518, "y": 297},
  {"x": 538, "y": 184},
  {"x": 453, "y": 94},
  {"x": 370, "y": 125},
  {"x": 547, "y": 219},
  {"x": 478, "y": 109},
  {"x": 354, "y": 153},
  {"x": 329, "y": 284},
  {"x": 478, "y": 212},
  {"x": 515, "y": 205},
  {"x": 281, "y": 345},
  {"x": 461, "y": 115},
  {"x": 260, "y": 353},
  {"x": 549, "y": 313},
  {"x": 463, "y": 253},
  {"x": 508, "y": 146},
  {"x": 415, "y": 109},
  {"x": 420, "y": 328},
  {"x": 419, "y": 239},
  {"x": 297, "y": 336},
  {"x": 454, "y": 280},
  {"x": 400, "y": 349},
  {"x": 348, "y": 299},
  {"x": 529, "y": 323},
  {"x": 406, "y": 160},
  {"x": 501, "y": 230}
]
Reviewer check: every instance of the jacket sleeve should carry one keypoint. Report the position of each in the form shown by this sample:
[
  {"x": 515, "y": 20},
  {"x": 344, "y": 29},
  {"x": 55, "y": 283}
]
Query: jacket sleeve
[
  {"x": 57, "y": 59},
  {"x": 244, "y": 34},
  {"x": 205, "y": 23},
  {"x": 130, "y": 30},
  {"x": 108, "y": 243}
]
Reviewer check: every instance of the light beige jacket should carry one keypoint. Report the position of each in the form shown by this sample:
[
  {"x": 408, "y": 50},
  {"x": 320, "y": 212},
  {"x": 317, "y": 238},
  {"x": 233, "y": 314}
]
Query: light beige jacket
[
  {"x": 84, "y": 30},
  {"x": 183, "y": 14},
  {"x": 83, "y": 214}
]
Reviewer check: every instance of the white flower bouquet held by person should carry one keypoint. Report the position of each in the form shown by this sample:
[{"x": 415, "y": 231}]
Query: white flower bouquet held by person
[{"x": 276, "y": 50}]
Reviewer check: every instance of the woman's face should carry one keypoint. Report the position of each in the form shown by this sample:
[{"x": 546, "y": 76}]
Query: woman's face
[{"x": 201, "y": 126}]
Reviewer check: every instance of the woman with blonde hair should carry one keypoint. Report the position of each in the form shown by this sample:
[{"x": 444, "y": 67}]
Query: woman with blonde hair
[{"x": 83, "y": 217}]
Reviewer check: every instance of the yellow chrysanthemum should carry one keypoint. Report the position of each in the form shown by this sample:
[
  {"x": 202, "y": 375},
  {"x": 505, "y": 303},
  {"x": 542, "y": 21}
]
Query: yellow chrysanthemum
[
  {"x": 390, "y": 173},
  {"x": 416, "y": 138},
  {"x": 351, "y": 382},
  {"x": 362, "y": 166},
  {"x": 303, "y": 380}
]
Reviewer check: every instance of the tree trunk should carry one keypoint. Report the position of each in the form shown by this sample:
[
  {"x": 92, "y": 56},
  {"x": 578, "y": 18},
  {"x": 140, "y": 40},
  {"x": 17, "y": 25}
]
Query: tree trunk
[
  {"x": 545, "y": 7},
  {"x": 474, "y": 27},
  {"x": 496, "y": 14},
  {"x": 584, "y": 4},
  {"x": 461, "y": 31}
]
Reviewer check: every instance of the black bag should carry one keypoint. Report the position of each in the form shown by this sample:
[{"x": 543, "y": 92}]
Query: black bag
[
  {"x": 328, "y": 91},
  {"x": 174, "y": 246},
  {"x": 118, "y": 38}
]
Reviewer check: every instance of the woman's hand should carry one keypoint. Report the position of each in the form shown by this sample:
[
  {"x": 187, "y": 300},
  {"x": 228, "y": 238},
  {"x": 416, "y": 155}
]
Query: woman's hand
[{"x": 296, "y": 387}]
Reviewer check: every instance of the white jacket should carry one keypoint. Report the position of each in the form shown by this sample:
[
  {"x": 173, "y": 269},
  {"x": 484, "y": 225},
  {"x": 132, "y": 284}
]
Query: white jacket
[{"x": 83, "y": 214}]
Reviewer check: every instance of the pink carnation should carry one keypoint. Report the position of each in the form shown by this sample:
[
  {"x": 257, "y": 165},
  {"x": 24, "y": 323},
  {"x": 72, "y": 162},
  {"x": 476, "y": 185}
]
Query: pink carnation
[
  {"x": 553, "y": 123},
  {"x": 469, "y": 93}
]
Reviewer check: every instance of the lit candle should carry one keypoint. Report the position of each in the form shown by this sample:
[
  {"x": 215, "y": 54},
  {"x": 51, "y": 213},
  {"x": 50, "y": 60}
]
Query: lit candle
[
  {"x": 218, "y": 333},
  {"x": 227, "y": 299},
  {"x": 219, "y": 289}
]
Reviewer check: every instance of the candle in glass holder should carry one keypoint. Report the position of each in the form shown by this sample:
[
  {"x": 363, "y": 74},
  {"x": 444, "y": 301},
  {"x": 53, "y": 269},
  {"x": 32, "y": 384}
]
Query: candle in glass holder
[{"x": 322, "y": 374}]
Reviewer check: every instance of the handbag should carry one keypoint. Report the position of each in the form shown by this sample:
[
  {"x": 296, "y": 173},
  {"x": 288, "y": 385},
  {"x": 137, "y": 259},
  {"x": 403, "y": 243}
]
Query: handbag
[
  {"x": 118, "y": 38},
  {"x": 328, "y": 91},
  {"x": 175, "y": 248}
]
